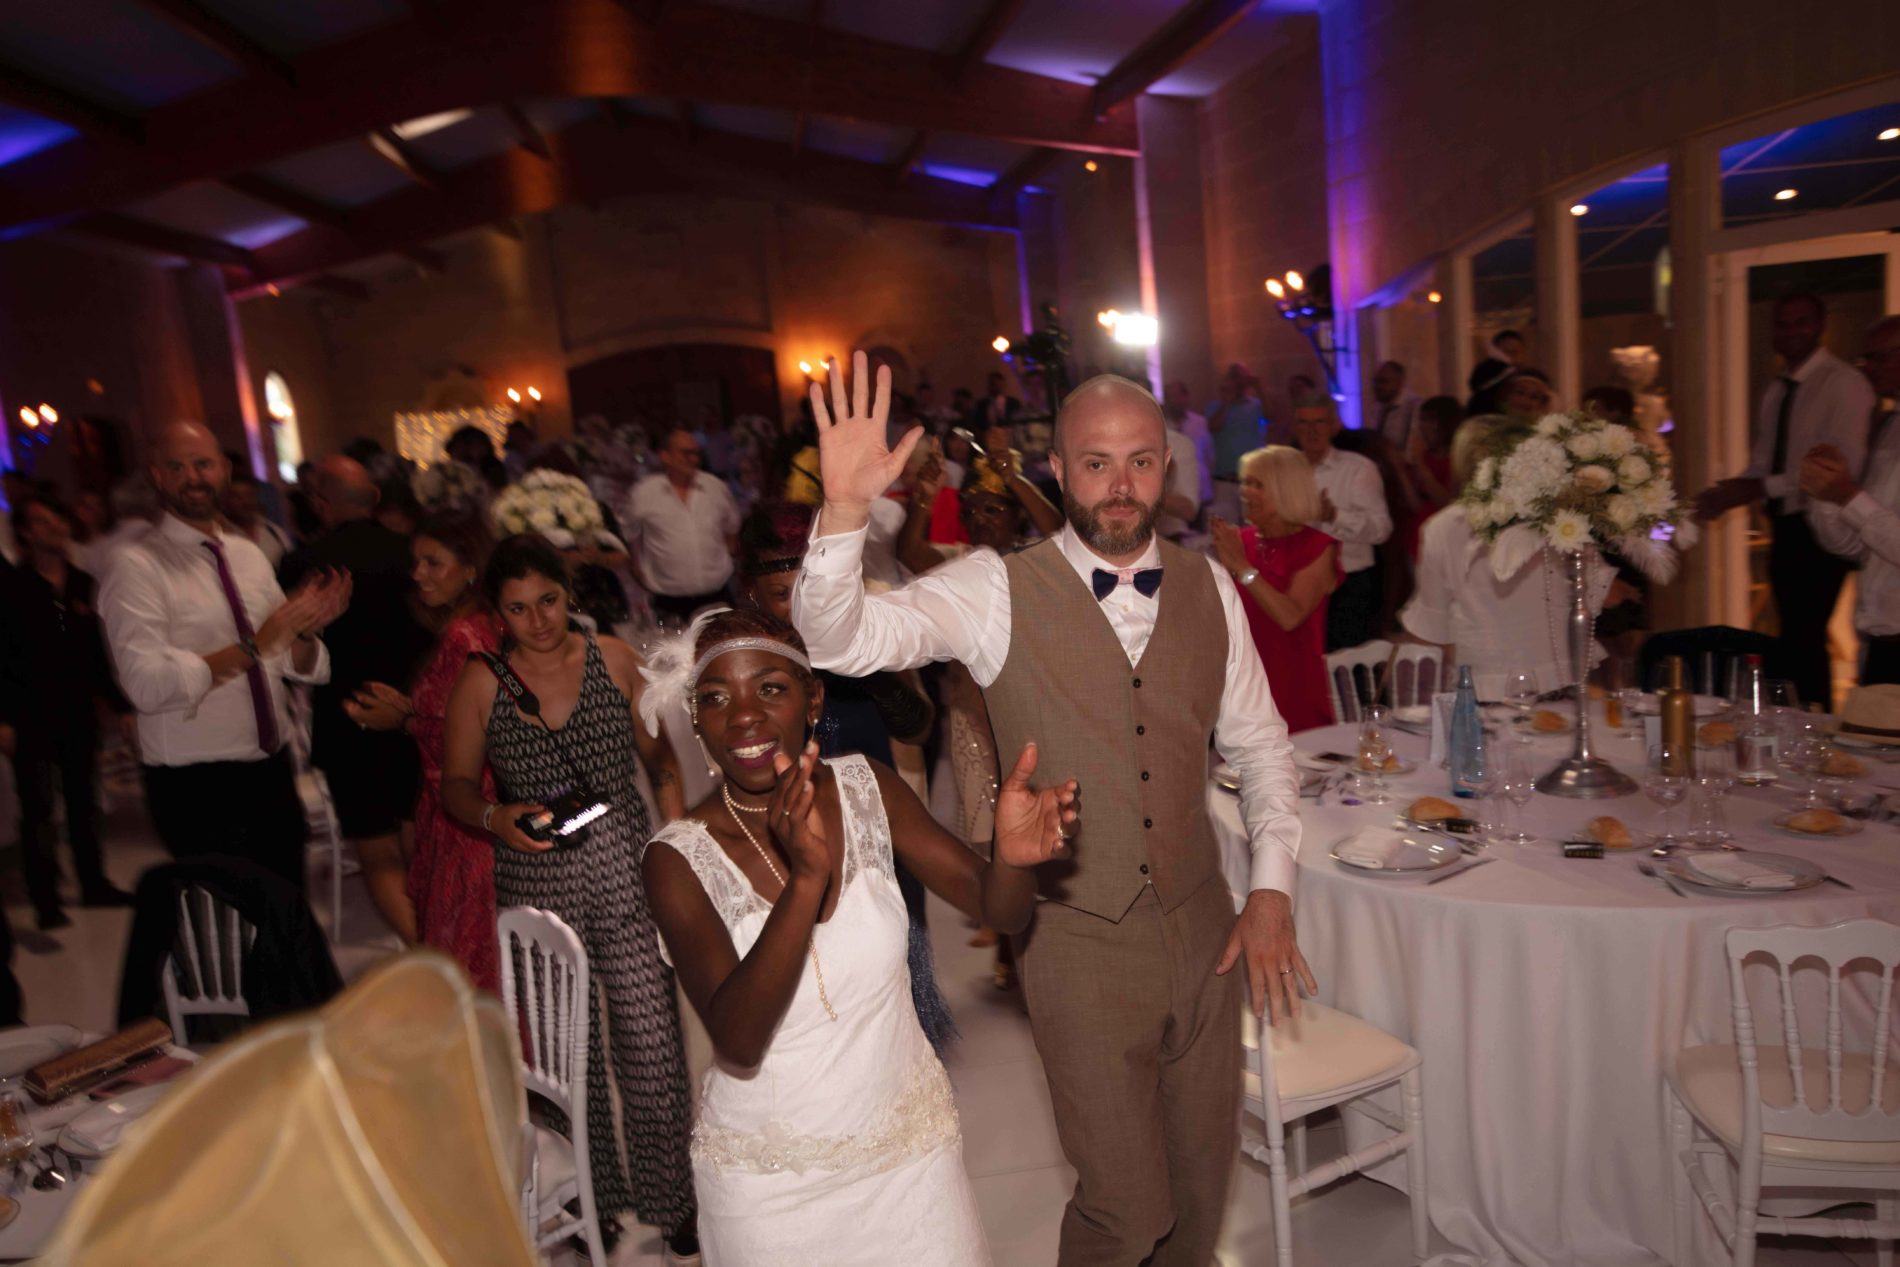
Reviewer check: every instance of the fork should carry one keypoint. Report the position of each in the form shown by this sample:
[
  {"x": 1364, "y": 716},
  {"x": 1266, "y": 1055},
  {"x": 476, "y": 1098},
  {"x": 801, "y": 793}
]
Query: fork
[{"x": 1649, "y": 870}]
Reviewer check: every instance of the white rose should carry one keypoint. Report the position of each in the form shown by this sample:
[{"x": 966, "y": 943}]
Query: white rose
[
  {"x": 1550, "y": 424},
  {"x": 1633, "y": 471},
  {"x": 1594, "y": 479},
  {"x": 1584, "y": 445},
  {"x": 1622, "y": 510},
  {"x": 1568, "y": 531},
  {"x": 1485, "y": 475}
]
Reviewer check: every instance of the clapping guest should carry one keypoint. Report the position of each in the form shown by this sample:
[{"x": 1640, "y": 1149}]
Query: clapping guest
[
  {"x": 1237, "y": 427},
  {"x": 451, "y": 879},
  {"x": 1286, "y": 571},
  {"x": 245, "y": 514},
  {"x": 1353, "y": 511},
  {"x": 685, "y": 521},
  {"x": 580, "y": 739}
]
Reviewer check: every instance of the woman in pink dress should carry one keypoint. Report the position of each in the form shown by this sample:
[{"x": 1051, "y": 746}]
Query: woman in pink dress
[
  {"x": 1286, "y": 572},
  {"x": 452, "y": 871}
]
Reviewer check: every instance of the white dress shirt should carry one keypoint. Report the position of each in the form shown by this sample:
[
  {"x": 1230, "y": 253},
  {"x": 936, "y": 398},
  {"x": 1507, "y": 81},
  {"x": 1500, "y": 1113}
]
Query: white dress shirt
[
  {"x": 165, "y": 610},
  {"x": 1361, "y": 519},
  {"x": 1831, "y": 406},
  {"x": 1497, "y": 627},
  {"x": 1184, "y": 480},
  {"x": 1867, "y": 530},
  {"x": 1195, "y": 425},
  {"x": 961, "y": 611},
  {"x": 682, "y": 548}
]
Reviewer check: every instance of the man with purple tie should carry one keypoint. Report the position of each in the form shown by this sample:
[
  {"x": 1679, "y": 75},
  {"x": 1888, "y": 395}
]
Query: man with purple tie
[{"x": 203, "y": 639}]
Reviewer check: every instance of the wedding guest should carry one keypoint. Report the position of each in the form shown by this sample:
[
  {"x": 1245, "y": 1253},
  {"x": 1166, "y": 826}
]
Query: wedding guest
[
  {"x": 1353, "y": 511},
  {"x": 1862, "y": 524},
  {"x": 203, "y": 638},
  {"x": 1178, "y": 403},
  {"x": 582, "y": 738},
  {"x": 1497, "y": 627},
  {"x": 245, "y": 514},
  {"x": 1237, "y": 427},
  {"x": 684, "y": 520},
  {"x": 451, "y": 880},
  {"x": 1525, "y": 394},
  {"x": 1182, "y": 503},
  {"x": 372, "y": 775},
  {"x": 1425, "y": 471},
  {"x": 1006, "y": 464},
  {"x": 777, "y": 900},
  {"x": 397, "y": 507},
  {"x": 55, "y": 679},
  {"x": 996, "y": 407},
  {"x": 133, "y": 509},
  {"x": 1394, "y": 410},
  {"x": 1286, "y": 571},
  {"x": 1078, "y": 646},
  {"x": 1818, "y": 399}
]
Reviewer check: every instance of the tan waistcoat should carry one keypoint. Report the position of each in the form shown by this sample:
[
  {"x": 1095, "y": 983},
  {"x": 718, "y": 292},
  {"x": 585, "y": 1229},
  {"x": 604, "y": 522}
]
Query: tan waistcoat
[{"x": 1134, "y": 739}]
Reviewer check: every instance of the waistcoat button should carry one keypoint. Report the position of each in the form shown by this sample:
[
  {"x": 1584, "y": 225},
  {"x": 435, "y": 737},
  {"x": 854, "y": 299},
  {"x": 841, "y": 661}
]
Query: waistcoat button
[
  {"x": 1144, "y": 776},
  {"x": 1141, "y": 730},
  {"x": 1137, "y": 684},
  {"x": 1144, "y": 868},
  {"x": 1147, "y": 822}
]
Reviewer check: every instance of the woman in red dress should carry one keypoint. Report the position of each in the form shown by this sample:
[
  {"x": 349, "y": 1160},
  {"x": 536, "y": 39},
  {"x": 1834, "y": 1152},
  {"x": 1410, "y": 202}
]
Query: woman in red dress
[
  {"x": 1425, "y": 470},
  {"x": 452, "y": 873},
  {"x": 1286, "y": 572}
]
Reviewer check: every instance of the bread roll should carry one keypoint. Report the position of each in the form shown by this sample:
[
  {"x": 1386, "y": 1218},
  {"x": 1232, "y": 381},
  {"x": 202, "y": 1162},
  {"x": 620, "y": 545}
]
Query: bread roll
[
  {"x": 1840, "y": 765},
  {"x": 1715, "y": 733},
  {"x": 1610, "y": 832},
  {"x": 1432, "y": 809},
  {"x": 1818, "y": 822},
  {"x": 1549, "y": 722}
]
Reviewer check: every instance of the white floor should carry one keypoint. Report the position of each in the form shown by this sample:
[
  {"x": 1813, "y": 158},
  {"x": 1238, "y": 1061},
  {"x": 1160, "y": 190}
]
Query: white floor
[{"x": 1010, "y": 1144}]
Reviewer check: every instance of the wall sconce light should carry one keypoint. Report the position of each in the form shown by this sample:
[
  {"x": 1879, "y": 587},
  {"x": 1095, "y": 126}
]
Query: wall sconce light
[
  {"x": 1108, "y": 318},
  {"x": 514, "y": 395},
  {"x": 1579, "y": 208},
  {"x": 1091, "y": 166},
  {"x": 1294, "y": 281},
  {"x": 28, "y": 417},
  {"x": 534, "y": 394},
  {"x": 1275, "y": 289},
  {"x": 1786, "y": 195},
  {"x": 1311, "y": 312},
  {"x": 804, "y": 367},
  {"x": 48, "y": 414},
  {"x": 1434, "y": 297},
  {"x": 1001, "y": 345}
]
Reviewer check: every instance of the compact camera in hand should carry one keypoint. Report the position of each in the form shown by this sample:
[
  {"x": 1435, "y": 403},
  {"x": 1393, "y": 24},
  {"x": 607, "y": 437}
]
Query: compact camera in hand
[{"x": 565, "y": 820}]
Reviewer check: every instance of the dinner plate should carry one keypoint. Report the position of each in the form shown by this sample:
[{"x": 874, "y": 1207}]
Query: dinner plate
[
  {"x": 1646, "y": 705},
  {"x": 100, "y": 1130},
  {"x": 29, "y": 1045},
  {"x": 1411, "y": 855},
  {"x": 1806, "y": 874},
  {"x": 1848, "y": 827},
  {"x": 1867, "y": 743}
]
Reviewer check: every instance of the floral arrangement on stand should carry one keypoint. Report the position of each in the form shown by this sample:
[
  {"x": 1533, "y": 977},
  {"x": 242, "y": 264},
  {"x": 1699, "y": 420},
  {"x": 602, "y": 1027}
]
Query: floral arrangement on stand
[
  {"x": 1573, "y": 482},
  {"x": 559, "y": 507},
  {"x": 448, "y": 485}
]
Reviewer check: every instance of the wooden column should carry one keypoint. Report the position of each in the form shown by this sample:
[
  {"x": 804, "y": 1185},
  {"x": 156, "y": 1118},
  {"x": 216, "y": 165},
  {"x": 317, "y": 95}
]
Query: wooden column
[{"x": 1558, "y": 304}]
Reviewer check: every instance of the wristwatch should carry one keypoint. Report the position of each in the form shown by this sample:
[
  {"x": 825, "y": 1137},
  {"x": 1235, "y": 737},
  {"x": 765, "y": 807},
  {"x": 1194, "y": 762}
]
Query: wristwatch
[{"x": 1247, "y": 578}]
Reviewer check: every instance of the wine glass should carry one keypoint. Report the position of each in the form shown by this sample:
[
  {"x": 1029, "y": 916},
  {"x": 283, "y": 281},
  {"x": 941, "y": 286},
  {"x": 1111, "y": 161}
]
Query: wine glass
[
  {"x": 1517, "y": 784},
  {"x": 1520, "y": 690},
  {"x": 1781, "y": 694},
  {"x": 1374, "y": 749},
  {"x": 1664, "y": 784},
  {"x": 16, "y": 1135}
]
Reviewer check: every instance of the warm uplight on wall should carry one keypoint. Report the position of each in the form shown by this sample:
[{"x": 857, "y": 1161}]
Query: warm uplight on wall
[
  {"x": 1091, "y": 166},
  {"x": 1579, "y": 208},
  {"x": 1275, "y": 289},
  {"x": 1107, "y": 318},
  {"x": 1435, "y": 297},
  {"x": 534, "y": 393},
  {"x": 1001, "y": 345},
  {"x": 48, "y": 414},
  {"x": 28, "y": 417},
  {"x": 514, "y": 395},
  {"x": 1891, "y": 134},
  {"x": 1786, "y": 194}
]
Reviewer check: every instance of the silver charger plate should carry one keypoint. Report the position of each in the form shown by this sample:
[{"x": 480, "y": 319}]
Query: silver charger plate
[
  {"x": 1806, "y": 874},
  {"x": 1416, "y": 855}
]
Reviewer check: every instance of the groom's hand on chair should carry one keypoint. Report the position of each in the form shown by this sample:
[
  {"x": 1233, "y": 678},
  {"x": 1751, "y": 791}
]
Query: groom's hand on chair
[{"x": 1276, "y": 971}]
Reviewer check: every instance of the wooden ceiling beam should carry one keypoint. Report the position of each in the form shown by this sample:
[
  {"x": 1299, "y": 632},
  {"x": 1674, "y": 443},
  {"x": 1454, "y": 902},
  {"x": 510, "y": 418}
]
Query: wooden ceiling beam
[
  {"x": 1023, "y": 174},
  {"x": 573, "y": 48},
  {"x": 294, "y": 201},
  {"x": 1180, "y": 38},
  {"x": 401, "y": 155},
  {"x": 989, "y": 29},
  {"x": 34, "y": 95},
  {"x": 593, "y": 160},
  {"x": 526, "y": 133},
  {"x": 913, "y": 152},
  {"x": 209, "y": 29},
  {"x": 147, "y": 236}
]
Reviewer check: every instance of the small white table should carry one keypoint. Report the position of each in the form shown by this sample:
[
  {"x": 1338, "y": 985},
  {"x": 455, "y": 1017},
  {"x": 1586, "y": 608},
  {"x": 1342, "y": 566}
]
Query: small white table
[{"x": 1547, "y": 995}]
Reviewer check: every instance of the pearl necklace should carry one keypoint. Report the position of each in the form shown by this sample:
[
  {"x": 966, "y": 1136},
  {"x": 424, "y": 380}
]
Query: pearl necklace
[{"x": 811, "y": 943}]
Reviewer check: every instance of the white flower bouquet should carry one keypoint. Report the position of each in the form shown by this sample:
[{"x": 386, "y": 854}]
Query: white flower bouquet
[
  {"x": 448, "y": 485},
  {"x": 559, "y": 507},
  {"x": 1575, "y": 482}
]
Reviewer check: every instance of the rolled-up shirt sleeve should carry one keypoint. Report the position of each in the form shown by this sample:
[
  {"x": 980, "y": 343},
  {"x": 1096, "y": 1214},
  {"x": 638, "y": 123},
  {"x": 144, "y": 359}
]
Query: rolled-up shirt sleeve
[
  {"x": 285, "y": 667},
  {"x": 1362, "y": 516},
  {"x": 156, "y": 676},
  {"x": 959, "y": 611},
  {"x": 1252, "y": 738}
]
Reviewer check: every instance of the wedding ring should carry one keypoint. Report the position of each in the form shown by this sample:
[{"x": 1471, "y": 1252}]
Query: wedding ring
[{"x": 1286, "y": 972}]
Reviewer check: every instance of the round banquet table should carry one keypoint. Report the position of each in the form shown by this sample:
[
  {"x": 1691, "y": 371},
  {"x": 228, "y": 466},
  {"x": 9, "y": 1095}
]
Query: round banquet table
[{"x": 1547, "y": 996}]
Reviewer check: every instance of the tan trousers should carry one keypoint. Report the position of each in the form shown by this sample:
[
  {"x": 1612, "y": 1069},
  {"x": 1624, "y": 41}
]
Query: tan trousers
[{"x": 1140, "y": 1042}]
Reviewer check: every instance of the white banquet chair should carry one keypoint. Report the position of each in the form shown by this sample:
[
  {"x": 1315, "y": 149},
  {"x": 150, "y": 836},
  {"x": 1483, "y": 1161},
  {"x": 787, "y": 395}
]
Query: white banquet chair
[
  {"x": 1315, "y": 1061},
  {"x": 1789, "y": 1114},
  {"x": 1417, "y": 674},
  {"x": 544, "y": 989},
  {"x": 1343, "y": 676},
  {"x": 205, "y": 974},
  {"x": 319, "y": 809}
]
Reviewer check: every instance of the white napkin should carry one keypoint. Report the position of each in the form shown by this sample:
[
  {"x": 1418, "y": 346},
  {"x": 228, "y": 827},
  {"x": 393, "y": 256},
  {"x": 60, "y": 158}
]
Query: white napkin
[
  {"x": 1440, "y": 751},
  {"x": 1738, "y": 872},
  {"x": 103, "y": 1127},
  {"x": 1373, "y": 850}
]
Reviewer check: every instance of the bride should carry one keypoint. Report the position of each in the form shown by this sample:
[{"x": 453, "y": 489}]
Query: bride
[{"x": 827, "y": 1132}]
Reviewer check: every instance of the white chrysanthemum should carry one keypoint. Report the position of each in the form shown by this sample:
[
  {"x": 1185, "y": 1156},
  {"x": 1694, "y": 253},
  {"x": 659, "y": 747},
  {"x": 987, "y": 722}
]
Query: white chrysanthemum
[
  {"x": 1568, "y": 531},
  {"x": 542, "y": 518},
  {"x": 1478, "y": 515},
  {"x": 1504, "y": 510},
  {"x": 1585, "y": 445},
  {"x": 1550, "y": 424},
  {"x": 1594, "y": 478},
  {"x": 1616, "y": 440},
  {"x": 1634, "y": 471},
  {"x": 1536, "y": 468},
  {"x": 1655, "y": 500},
  {"x": 1486, "y": 475},
  {"x": 1623, "y": 510}
]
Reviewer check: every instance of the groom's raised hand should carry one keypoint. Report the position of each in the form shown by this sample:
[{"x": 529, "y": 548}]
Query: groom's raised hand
[{"x": 854, "y": 462}]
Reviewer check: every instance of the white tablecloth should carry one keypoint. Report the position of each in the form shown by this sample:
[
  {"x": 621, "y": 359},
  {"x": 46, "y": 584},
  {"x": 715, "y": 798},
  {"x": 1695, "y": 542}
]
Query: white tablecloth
[{"x": 1546, "y": 995}]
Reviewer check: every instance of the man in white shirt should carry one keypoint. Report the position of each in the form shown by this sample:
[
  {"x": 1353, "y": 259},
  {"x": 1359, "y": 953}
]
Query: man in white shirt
[
  {"x": 1863, "y": 524},
  {"x": 1131, "y": 953},
  {"x": 687, "y": 524},
  {"x": 1180, "y": 403},
  {"x": 1352, "y": 511},
  {"x": 1818, "y": 399},
  {"x": 202, "y": 638},
  {"x": 1393, "y": 408},
  {"x": 1182, "y": 503}
]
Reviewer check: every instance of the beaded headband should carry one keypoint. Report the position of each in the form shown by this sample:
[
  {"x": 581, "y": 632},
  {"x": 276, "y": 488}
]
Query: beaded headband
[{"x": 672, "y": 673}]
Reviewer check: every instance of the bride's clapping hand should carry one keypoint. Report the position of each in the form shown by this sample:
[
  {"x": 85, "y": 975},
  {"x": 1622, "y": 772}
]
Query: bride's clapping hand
[
  {"x": 854, "y": 460},
  {"x": 1033, "y": 825},
  {"x": 794, "y": 818}
]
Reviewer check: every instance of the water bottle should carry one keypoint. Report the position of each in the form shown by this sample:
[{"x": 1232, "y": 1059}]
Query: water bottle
[
  {"x": 1467, "y": 735},
  {"x": 1755, "y": 746}
]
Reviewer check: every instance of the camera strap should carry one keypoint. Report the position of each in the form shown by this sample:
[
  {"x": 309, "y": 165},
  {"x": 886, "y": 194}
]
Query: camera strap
[{"x": 530, "y": 706}]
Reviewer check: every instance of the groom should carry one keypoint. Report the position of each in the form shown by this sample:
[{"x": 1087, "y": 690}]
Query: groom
[{"x": 1121, "y": 655}]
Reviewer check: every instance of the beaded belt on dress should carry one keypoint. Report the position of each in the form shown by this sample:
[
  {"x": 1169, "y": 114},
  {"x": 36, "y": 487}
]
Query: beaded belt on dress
[{"x": 922, "y": 1119}]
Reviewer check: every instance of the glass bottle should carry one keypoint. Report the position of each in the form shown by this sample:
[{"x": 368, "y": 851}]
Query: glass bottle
[{"x": 1467, "y": 735}]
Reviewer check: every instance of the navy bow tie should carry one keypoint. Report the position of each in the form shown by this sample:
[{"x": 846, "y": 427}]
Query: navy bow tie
[{"x": 1146, "y": 582}]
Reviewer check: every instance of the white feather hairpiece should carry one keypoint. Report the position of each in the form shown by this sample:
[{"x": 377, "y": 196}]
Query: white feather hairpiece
[{"x": 669, "y": 670}]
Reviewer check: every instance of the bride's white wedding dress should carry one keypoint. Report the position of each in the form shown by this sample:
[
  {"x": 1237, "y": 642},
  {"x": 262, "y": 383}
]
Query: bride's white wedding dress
[{"x": 842, "y": 1146}]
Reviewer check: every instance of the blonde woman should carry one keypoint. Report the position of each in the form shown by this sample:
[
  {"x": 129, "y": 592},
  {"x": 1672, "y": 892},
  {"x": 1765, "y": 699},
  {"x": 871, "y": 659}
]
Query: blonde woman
[{"x": 1287, "y": 571}]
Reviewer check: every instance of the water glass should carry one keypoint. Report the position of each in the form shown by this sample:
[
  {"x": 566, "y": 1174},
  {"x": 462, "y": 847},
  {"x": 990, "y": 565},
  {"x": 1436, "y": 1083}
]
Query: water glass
[
  {"x": 1626, "y": 689},
  {"x": 1517, "y": 785},
  {"x": 1374, "y": 749},
  {"x": 1799, "y": 751},
  {"x": 1481, "y": 781},
  {"x": 1520, "y": 691},
  {"x": 1666, "y": 788},
  {"x": 1708, "y": 817}
]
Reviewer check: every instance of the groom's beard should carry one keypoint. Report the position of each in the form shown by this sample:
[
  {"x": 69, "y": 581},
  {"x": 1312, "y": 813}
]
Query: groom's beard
[{"x": 1103, "y": 539}]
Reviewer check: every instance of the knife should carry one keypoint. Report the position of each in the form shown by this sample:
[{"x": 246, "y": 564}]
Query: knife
[{"x": 1469, "y": 866}]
